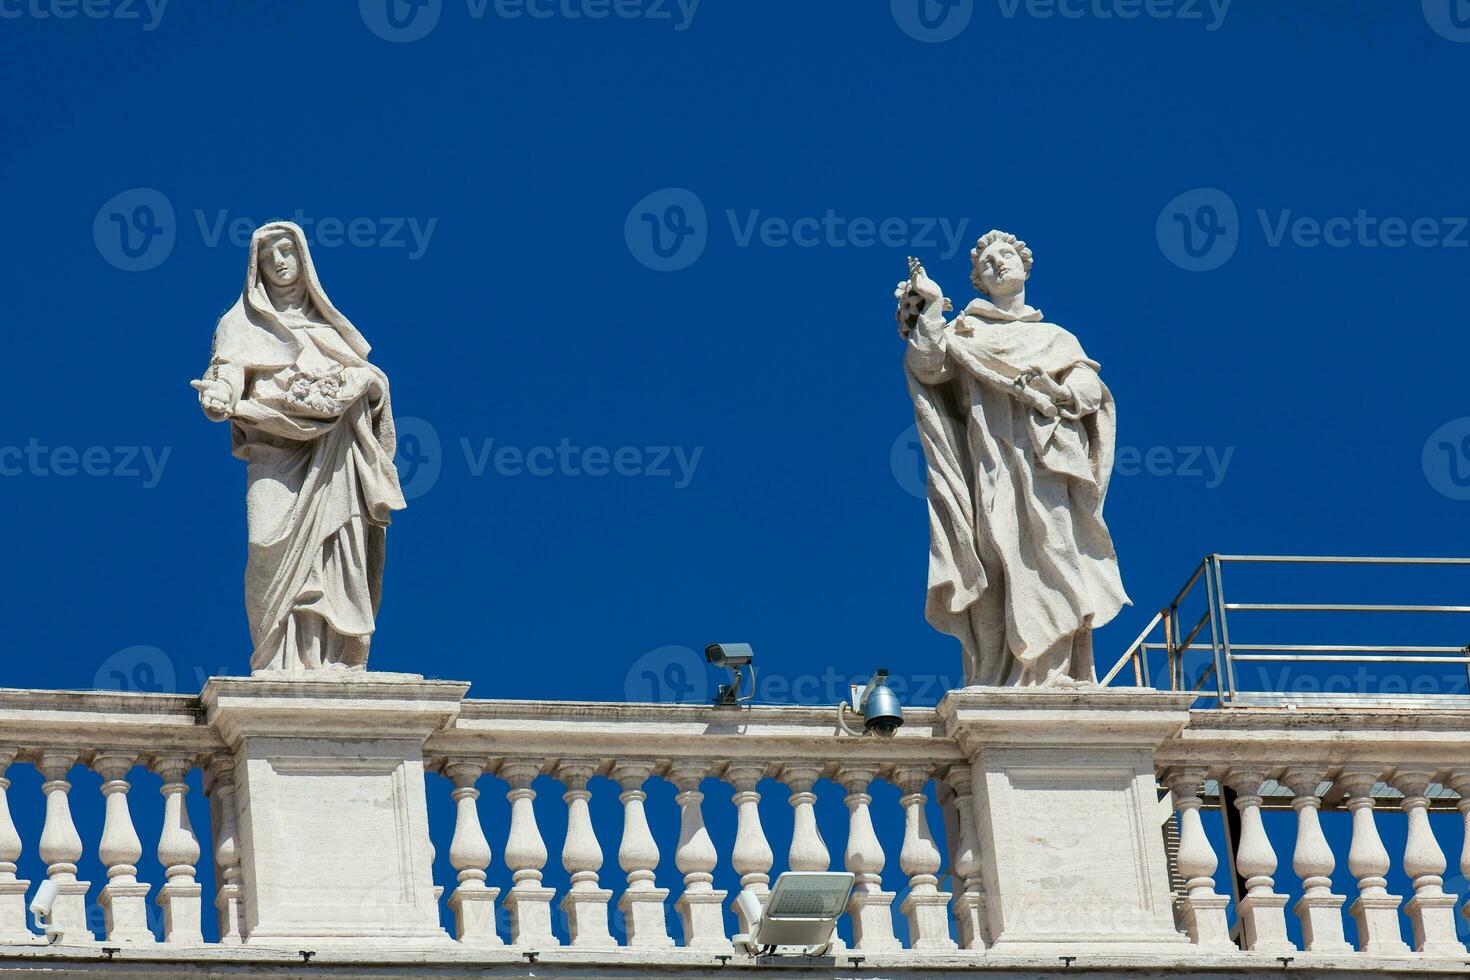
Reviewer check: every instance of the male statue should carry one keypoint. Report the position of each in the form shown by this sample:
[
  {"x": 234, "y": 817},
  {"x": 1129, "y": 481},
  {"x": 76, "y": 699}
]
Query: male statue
[{"x": 1017, "y": 429}]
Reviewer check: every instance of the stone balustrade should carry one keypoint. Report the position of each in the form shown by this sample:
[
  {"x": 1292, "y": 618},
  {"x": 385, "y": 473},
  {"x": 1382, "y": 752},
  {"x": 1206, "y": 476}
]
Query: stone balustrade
[
  {"x": 688, "y": 746},
  {"x": 1376, "y": 764},
  {"x": 126, "y": 740},
  {"x": 953, "y": 774}
]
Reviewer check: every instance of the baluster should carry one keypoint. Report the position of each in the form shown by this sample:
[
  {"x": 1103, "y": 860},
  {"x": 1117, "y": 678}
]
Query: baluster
[
  {"x": 969, "y": 908},
  {"x": 1459, "y": 781},
  {"x": 12, "y": 889},
  {"x": 1431, "y": 912},
  {"x": 926, "y": 907},
  {"x": 700, "y": 907},
  {"x": 1319, "y": 910},
  {"x": 229, "y": 901},
  {"x": 808, "y": 850},
  {"x": 1375, "y": 911},
  {"x": 61, "y": 848},
  {"x": 123, "y": 898},
  {"x": 642, "y": 903},
  {"x": 469, "y": 854},
  {"x": 585, "y": 905},
  {"x": 178, "y": 852},
  {"x": 528, "y": 903},
  {"x": 870, "y": 908},
  {"x": 1262, "y": 911},
  {"x": 1201, "y": 910},
  {"x": 752, "y": 856}
]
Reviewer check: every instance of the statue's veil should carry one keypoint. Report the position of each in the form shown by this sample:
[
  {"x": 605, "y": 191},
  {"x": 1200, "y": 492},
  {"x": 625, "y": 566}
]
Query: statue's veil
[{"x": 254, "y": 293}]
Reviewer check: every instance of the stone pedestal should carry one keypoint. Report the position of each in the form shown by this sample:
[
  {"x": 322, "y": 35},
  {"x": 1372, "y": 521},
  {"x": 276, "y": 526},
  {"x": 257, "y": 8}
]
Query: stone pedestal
[
  {"x": 125, "y": 912},
  {"x": 474, "y": 915},
  {"x": 69, "y": 913},
  {"x": 529, "y": 907},
  {"x": 333, "y": 824},
  {"x": 14, "y": 926},
  {"x": 1067, "y": 813},
  {"x": 643, "y": 914}
]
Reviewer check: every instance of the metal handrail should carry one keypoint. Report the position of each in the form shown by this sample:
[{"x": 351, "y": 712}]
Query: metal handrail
[{"x": 1224, "y": 654}]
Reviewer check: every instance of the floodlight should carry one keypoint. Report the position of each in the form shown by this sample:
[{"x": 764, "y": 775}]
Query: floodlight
[
  {"x": 733, "y": 657},
  {"x": 802, "y": 910},
  {"x": 880, "y": 708}
]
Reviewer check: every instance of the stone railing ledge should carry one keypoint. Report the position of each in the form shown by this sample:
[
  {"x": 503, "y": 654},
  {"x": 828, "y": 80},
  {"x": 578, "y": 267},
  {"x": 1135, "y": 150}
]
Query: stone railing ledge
[
  {"x": 1087, "y": 715},
  {"x": 81, "y": 719},
  {"x": 788, "y": 733},
  {"x": 341, "y": 705}
]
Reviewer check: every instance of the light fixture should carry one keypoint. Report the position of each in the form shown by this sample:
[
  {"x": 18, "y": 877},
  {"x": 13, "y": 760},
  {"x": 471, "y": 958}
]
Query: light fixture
[
  {"x": 879, "y": 706},
  {"x": 802, "y": 910},
  {"x": 734, "y": 657}
]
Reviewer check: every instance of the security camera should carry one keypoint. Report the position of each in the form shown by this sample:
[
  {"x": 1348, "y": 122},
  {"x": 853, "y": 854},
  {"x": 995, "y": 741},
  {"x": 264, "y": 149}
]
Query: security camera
[
  {"x": 734, "y": 657},
  {"x": 729, "y": 654},
  {"x": 881, "y": 711},
  {"x": 41, "y": 908}
]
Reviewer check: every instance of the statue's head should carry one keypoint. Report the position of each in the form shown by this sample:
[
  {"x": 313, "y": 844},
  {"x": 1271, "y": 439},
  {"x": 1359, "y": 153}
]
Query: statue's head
[
  {"x": 1000, "y": 264},
  {"x": 280, "y": 258}
]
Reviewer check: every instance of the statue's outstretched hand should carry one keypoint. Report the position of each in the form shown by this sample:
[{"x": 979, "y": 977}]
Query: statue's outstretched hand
[{"x": 216, "y": 398}]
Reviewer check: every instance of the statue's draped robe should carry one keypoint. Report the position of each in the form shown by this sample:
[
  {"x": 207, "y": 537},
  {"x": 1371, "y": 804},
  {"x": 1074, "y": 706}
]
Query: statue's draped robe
[
  {"x": 321, "y": 481},
  {"x": 1021, "y": 565}
]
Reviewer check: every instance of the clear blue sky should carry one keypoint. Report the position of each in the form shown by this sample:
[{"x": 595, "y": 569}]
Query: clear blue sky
[{"x": 484, "y": 199}]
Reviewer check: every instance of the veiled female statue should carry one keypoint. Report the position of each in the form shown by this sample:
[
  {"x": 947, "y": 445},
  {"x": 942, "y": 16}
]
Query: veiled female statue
[
  {"x": 311, "y": 418},
  {"x": 1018, "y": 430}
]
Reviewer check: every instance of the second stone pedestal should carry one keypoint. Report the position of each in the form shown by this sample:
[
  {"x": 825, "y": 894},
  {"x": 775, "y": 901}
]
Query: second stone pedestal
[
  {"x": 333, "y": 824},
  {"x": 1067, "y": 814}
]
